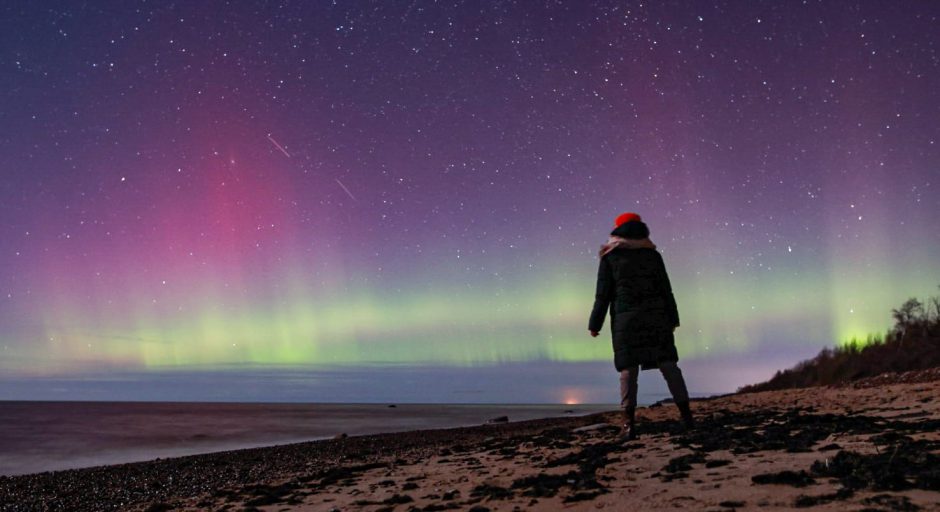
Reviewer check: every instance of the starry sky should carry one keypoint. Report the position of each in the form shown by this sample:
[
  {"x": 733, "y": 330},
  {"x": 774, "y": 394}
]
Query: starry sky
[{"x": 411, "y": 194}]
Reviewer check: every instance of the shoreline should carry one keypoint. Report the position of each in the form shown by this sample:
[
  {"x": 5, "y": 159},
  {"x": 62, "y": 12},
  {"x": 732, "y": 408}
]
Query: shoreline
[
  {"x": 868, "y": 444},
  {"x": 36, "y": 437},
  {"x": 204, "y": 472}
]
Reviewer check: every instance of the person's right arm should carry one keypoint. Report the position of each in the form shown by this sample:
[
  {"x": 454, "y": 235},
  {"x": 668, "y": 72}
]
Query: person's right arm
[{"x": 602, "y": 295}]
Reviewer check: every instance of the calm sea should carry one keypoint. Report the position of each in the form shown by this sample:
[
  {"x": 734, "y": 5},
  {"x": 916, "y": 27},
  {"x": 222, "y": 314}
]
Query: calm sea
[{"x": 46, "y": 436}]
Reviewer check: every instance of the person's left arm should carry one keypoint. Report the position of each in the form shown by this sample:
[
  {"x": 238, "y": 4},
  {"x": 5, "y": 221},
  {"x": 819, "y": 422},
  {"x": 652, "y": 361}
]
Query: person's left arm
[{"x": 666, "y": 289}]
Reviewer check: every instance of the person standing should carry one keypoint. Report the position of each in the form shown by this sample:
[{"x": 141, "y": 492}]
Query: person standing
[{"x": 633, "y": 284}]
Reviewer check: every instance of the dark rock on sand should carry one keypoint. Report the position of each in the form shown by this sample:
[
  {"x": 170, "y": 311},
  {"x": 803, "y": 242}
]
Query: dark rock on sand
[
  {"x": 583, "y": 481},
  {"x": 583, "y": 496},
  {"x": 498, "y": 419},
  {"x": 684, "y": 463},
  {"x": 398, "y": 499},
  {"x": 269, "y": 495},
  {"x": 590, "y": 458},
  {"x": 344, "y": 473},
  {"x": 903, "y": 466},
  {"x": 795, "y": 430},
  {"x": 716, "y": 463},
  {"x": 892, "y": 502},
  {"x": 436, "y": 507},
  {"x": 546, "y": 485},
  {"x": 804, "y": 501},
  {"x": 557, "y": 438},
  {"x": 787, "y": 477},
  {"x": 493, "y": 492}
]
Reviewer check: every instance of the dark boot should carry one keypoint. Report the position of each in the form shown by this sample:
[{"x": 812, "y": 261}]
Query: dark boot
[
  {"x": 629, "y": 423},
  {"x": 687, "y": 420}
]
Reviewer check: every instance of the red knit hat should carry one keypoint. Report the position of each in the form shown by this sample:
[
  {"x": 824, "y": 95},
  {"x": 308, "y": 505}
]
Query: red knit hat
[{"x": 626, "y": 217}]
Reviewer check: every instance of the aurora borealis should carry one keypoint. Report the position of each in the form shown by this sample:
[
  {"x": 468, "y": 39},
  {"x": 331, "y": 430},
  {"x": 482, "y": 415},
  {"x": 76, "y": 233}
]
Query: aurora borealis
[{"x": 286, "y": 186}]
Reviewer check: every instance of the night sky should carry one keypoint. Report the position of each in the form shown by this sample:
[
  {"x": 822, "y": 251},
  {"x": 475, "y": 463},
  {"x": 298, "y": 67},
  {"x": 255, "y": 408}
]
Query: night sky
[{"x": 222, "y": 200}]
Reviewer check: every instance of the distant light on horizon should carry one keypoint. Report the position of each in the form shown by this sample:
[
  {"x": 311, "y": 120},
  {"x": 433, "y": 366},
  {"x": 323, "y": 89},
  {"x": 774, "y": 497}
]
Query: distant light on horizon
[{"x": 572, "y": 396}]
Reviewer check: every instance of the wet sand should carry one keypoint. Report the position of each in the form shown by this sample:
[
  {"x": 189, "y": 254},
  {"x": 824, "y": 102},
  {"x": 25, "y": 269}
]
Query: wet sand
[{"x": 874, "y": 445}]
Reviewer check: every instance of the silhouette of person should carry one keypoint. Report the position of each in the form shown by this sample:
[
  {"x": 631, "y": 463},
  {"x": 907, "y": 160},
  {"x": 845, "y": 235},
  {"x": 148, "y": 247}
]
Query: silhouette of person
[{"x": 633, "y": 284}]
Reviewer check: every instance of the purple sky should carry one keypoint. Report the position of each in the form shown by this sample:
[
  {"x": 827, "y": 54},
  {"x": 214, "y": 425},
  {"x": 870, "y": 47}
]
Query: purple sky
[{"x": 193, "y": 191}]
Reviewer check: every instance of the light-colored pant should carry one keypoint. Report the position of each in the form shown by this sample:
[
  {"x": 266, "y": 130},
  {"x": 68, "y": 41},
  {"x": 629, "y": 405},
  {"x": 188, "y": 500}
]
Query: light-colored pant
[{"x": 670, "y": 371}]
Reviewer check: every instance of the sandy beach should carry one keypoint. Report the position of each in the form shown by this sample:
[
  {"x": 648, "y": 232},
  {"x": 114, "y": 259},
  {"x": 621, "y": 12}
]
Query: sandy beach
[{"x": 872, "y": 445}]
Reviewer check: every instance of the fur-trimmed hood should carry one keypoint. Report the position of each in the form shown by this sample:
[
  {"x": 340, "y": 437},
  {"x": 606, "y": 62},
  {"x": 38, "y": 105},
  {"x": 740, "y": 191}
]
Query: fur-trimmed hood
[{"x": 616, "y": 242}]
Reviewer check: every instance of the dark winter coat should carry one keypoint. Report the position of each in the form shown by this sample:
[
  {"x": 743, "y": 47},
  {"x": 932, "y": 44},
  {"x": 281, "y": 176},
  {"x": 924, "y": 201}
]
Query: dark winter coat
[{"x": 632, "y": 282}]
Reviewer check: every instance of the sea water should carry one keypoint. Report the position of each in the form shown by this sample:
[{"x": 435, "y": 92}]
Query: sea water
[{"x": 48, "y": 436}]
